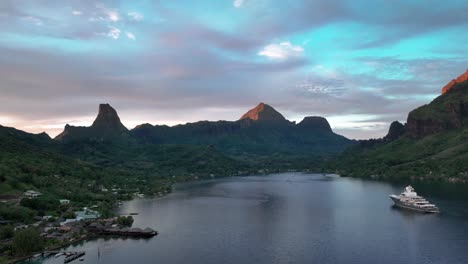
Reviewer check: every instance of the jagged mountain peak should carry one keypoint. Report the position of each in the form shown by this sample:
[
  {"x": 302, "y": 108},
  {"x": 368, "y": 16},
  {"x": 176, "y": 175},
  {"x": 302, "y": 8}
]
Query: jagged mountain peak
[
  {"x": 106, "y": 125},
  {"x": 263, "y": 112},
  {"x": 395, "y": 131},
  {"x": 107, "y": 118}
]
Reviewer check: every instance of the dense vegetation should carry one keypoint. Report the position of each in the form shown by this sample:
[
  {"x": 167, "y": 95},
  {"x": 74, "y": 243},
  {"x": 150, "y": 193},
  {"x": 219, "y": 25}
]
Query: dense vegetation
[
  {"x": 437, "y": 157},
  {"x": 100, "y": 172},
  {"x": 434, "y": 145},
  {"x": 27, "y": 241},
  {"x": 80, "y": 172}
]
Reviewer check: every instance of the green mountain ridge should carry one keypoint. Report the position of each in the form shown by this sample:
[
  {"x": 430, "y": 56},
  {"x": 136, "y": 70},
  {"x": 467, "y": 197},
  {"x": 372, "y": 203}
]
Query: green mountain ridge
[
  {"x": 433, "y": 145},
  {"x": 261, "y": 132}
]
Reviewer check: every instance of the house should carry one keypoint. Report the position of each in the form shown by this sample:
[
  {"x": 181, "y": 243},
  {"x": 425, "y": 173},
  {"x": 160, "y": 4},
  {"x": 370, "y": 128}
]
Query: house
[
  {"x": 64, "y": 201},
  {"x": 19, "y": 227},
  {"x": 32, "y": 194},
  {"x": 47, "y": 217},
  {"x": 68, "y": 221},
  {"x": 87, "y": 214}
]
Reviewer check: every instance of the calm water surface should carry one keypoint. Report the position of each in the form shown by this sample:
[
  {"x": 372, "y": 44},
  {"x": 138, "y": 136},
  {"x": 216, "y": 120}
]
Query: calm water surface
[{"x": 290, "y": 218}]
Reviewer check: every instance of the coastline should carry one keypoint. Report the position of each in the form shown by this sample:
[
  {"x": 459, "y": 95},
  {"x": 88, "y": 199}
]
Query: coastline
[{"x": 86, "y": 237}]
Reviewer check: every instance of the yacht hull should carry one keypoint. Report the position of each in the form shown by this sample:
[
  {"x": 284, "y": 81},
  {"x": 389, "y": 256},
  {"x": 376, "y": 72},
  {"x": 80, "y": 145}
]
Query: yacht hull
[{"x": 411, "y": 207}]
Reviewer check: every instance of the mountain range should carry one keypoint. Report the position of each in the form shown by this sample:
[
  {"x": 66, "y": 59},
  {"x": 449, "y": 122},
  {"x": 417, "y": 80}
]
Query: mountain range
[{"x": 262, "y": 131}]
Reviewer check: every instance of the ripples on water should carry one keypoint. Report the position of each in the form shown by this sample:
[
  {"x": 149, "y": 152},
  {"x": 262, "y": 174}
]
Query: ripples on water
[{"x": 290, "y": 218}]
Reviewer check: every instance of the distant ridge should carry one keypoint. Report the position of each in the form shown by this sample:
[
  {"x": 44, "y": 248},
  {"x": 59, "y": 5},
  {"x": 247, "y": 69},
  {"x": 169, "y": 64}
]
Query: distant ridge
[
  {"x": 316, "y": 123},
  {"x": 261, "y": 131}
]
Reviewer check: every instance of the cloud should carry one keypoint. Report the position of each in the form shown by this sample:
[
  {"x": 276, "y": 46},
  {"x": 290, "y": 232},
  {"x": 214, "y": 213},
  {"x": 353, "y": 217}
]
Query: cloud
[
  {"x": 322, "y": 86},
  {"x": 130, "y": 35},
  {"x": 113, "y": 15},
  {"x": 34, "y": 20},
  {"x": 113, "y": 33},
  {"x": 238, "y": 3},
  {"x": 200, "y": 63},
  {"x": 282, "y": 50},
  {"x": 77, "y": 13},
  {"x": 135, "y": 16},
  {"x": 106, "y": 14}
]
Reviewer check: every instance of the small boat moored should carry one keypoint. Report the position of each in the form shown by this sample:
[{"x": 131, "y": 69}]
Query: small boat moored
[{"x": 410, "y": 200}]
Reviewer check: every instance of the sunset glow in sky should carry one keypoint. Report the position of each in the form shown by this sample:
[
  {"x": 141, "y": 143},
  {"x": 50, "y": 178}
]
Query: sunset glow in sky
[{"x": 360, "y": 64}]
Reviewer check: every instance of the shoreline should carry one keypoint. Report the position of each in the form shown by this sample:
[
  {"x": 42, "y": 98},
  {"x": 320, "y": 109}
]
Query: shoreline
[{"x": 86, "y": 237}]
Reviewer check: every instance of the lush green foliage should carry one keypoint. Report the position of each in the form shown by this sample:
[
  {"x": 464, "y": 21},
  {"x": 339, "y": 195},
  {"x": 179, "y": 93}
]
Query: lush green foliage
[
  {"x": 125, "y": 220},
  {"x": 247, "y": 140},
  {"x": 438, "y": 157},
  {"x": 26, "y": 241},
  {"x": 6, "y": 231},
  {"x": 43, "y": 203},
  {"x": 17, "y": 213},
  {"x": 440, "y": 109}
]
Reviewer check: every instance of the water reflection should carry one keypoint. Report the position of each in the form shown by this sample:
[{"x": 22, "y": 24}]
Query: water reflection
[{"x": 290, "y": 218}]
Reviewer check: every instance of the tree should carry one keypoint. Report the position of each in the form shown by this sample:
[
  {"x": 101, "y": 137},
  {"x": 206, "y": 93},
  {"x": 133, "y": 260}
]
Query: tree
[
  {"x": 69, "y": 215},
  {"x": 6, "y": 232},
  {"x": 41, "y": 203},
  {"x": 27, "y": 241},
  {"x": 125, "y": 220}
]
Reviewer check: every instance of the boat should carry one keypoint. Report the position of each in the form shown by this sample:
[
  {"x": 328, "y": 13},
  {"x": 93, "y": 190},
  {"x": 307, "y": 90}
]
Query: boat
[{"x": 410, "y": 200}]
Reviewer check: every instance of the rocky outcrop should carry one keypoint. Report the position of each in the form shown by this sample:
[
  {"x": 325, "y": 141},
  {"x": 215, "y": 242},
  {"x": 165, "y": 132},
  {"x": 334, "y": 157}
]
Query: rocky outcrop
[
  {"x": 106, "y": 126},
  {"x": 453, "y": 82},
  {"x": 263, "y": 112},
  {"x": 454, "y": 116},
  {"x": 108, "y": 120},
  {"x": 315, "y": 123},
  {"x": 395, "y": 131}
]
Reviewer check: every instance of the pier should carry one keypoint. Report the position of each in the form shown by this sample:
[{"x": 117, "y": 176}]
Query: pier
[
  {"x": 72, "y": 257},
  {"x": 130, "y": 232},
  {"x": 69, "y": 256}
]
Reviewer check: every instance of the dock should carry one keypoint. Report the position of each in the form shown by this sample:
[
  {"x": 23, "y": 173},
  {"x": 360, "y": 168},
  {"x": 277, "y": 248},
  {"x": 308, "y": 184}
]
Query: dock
[
  {"x": 76, "y": 255},
  {"x": 69, "y": 256},
  {"x": 116, "y": 231}
]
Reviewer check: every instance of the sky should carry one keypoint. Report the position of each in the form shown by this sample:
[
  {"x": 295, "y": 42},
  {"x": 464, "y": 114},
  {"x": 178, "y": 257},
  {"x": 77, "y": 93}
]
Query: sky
[{"x": 361, "y": 64}]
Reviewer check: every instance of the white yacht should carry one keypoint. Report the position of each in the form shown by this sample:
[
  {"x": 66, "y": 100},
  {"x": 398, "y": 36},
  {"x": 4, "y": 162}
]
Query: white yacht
[{"x": 409, "y": 199}]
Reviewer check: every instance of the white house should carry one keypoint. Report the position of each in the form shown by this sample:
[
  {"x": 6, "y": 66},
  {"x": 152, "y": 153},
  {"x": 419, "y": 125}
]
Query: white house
[
  {"x": 64, "y": 201},
  {"x": 32, "y": 194}
]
